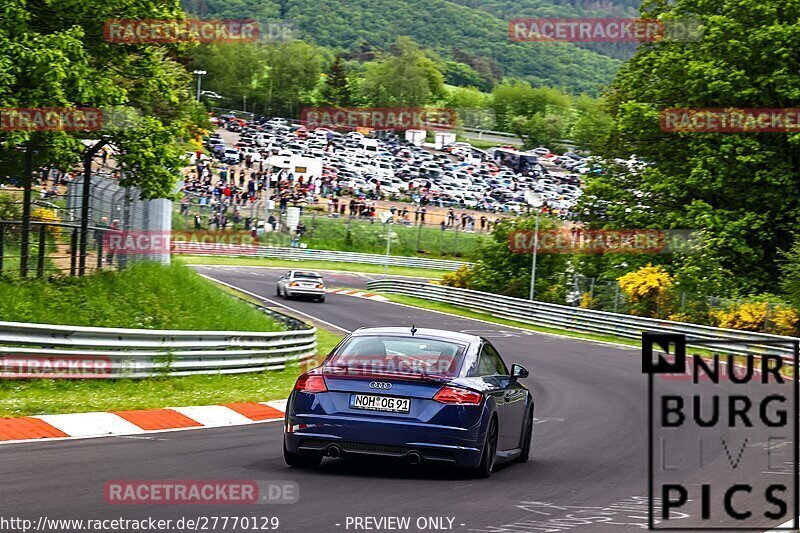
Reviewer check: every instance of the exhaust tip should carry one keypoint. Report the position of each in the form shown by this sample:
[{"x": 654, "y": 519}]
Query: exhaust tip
[
  {"x": 333, "y": 450},
  {"x": 413, "y": 458}
]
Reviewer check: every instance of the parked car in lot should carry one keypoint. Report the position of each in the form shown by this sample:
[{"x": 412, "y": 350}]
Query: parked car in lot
[
  {"x": 414, "y": 395},
  {"x": 301, "y": 283}
]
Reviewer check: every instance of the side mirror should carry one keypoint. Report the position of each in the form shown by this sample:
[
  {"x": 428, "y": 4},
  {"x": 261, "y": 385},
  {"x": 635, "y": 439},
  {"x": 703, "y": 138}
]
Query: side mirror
[{"x": 519, "y": 371}]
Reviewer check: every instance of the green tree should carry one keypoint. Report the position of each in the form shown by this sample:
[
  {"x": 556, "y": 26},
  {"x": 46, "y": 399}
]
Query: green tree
[
  {"x": 336, "y": 90},
  {"x": 408, "y": 78},
  {"x": 55, "y": 56},
  {"x": 502, "y": 270},
  {"x": 741, "y": 189}
]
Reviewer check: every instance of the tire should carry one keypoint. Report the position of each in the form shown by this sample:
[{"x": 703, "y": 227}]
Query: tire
[
  {"x": 299, "y": 460},
  {"x": 484, "y": 470},
  {"x": 527, "y": 436},
  {"x": 321, "y": 299},
  {"x": 277, "y": 290}
]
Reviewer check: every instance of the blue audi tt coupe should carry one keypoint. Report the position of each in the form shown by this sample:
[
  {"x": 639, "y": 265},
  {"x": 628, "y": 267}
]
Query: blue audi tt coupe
[{"x": 415, "y": 395}]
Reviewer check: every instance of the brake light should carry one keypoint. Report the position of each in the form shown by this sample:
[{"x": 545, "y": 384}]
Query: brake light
[
  {"x": 458, "y": 396},
  {"x": 294, "y": 284},
  {"x": 313, "y": 383},
  {"x": 320, "y": 286}
]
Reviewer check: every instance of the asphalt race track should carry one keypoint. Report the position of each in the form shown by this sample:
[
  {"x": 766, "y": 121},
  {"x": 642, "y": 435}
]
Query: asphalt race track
[{"x": 589, "y": 460}]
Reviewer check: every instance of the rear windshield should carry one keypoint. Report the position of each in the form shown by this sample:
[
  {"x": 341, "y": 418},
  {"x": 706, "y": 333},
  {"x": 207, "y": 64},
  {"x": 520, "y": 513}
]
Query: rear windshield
[
  {"x": 403, "y": 355},
  {"x": 307, "y": 275}
]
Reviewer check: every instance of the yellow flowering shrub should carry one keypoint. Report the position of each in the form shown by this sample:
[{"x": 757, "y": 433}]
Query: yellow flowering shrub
[
  {"x": 42, "y": 214},
  {"x": 785, "y": 321},
  {"x": 750, "y": 316},
  {"x": 587, "y": 302},
  {"x": 458, "y": 278},
  {"x": 647, "y": 283}
]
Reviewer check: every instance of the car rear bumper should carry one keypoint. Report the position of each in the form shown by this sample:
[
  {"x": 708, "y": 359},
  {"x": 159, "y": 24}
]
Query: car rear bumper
[
  {"x": 357, "y": 437},
  {"x": 303, "y": 291}
]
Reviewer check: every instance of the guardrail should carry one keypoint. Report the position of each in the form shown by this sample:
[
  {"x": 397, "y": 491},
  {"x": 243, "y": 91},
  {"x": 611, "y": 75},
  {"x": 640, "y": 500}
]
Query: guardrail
[
  {"x": 136, "y": 353},
  {"x": 301, "y": 254},
  {"x": 587, "y": 320}
]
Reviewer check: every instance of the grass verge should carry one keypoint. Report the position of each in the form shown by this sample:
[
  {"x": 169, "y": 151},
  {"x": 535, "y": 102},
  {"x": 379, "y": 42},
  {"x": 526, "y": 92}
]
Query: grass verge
[
  {"x": 142, "y": 284},
  {"x": 306, "y": 264},
  {"x": 146, "y": 295}
]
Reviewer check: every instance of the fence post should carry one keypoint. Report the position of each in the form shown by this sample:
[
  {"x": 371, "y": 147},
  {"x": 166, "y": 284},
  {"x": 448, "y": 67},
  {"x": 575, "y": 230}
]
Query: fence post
[
  {"x": 100, "y": 252},
  {"x": 73, "y": 251},
  {"x": 27, "y": 181},
  {"x": 456, "y": 223},
  {"x": 42, "y": 245}
]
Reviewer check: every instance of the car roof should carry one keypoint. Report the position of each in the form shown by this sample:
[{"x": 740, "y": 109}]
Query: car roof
[{"x": 404, "y": 331}]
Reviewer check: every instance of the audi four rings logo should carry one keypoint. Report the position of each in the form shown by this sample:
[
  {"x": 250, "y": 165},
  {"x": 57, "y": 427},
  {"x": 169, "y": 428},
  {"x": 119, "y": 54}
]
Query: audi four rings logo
[{"x": 380, "y": 385}]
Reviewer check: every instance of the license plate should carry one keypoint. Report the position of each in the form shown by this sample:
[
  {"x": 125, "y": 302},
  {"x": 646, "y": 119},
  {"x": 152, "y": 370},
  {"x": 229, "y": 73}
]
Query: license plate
[{"x": 380, "y": 403}]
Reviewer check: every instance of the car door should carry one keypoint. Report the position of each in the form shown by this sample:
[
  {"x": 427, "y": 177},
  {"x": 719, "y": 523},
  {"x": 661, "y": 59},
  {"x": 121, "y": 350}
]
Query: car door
[
  {"x": 510, "y": 394},
  {"x": 282, "y": 282},
  {"x": 489, "y": 371}
]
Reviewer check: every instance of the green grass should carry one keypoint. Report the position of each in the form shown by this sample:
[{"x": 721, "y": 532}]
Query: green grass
[
  {"x": 49, "y": 396},
  {"x": 311, "y": 265},
  {"x": 325, "y": 233},
  {"x": 186, "y": 291},
  {"x": 145, "y": 295}
]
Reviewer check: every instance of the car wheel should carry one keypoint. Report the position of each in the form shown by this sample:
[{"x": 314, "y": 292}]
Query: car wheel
[
  {"x": 277, "y": 290},
  {"x": 300, "y": 460},
  {"x": 484, "y": 469},
  {"x": 321, "y": 299},
  {"x": 527, "y": 436}
]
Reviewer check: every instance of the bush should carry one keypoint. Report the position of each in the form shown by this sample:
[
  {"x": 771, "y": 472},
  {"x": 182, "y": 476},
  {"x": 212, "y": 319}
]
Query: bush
[
  {"x": 646, "y": 288},
  {"x": 751, "y": 316},
  {"x": 42, "y": 214},
  {"x": 9, "y": 209},
  {"x": 460, "y": 278}
]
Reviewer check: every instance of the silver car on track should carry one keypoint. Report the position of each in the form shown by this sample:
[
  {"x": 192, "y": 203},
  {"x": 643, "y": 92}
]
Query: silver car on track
[{"x": 301, "y": 283}]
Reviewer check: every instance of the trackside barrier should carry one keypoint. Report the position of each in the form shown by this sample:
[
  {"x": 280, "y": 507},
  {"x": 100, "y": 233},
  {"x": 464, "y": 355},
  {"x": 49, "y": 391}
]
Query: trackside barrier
[
  {"x": 136, "y": 353},
  {"x": 586, "y": 320},
  {"x": 300, "y": 254}
]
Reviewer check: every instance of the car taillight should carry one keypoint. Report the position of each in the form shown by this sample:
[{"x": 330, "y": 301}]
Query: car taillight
[
  {"x": 313, "y": 383},
  {"x": 294, "y": 284},
  {"x": 320, "y": 286},
  {"x": 457, "y": 395}
]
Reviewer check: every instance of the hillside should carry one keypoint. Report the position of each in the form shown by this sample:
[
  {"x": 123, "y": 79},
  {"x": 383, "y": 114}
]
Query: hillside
[{"x": 464, "y": 33}]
